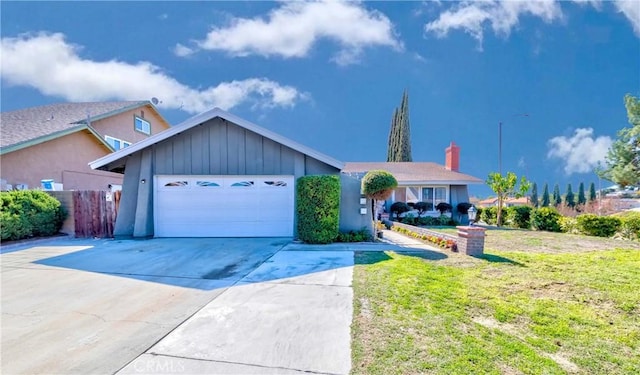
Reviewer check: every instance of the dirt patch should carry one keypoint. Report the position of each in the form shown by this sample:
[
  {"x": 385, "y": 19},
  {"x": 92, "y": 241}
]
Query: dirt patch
[{"x": 547, "y": 242}]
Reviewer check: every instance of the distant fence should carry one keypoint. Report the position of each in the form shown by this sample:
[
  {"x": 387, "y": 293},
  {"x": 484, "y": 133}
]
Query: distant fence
[{"x": 91, "y": 213}]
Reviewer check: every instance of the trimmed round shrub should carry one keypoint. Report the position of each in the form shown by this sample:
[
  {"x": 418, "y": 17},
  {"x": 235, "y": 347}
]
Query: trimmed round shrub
[
  {"x": 489, "y": 215},
  {"x": 519, "y": 217},
  {"x": 378, "y": 184},
  {"x": 463, "y": 208},
  {"x": 443, "y": 207},
  {"x": 29, "y": 213},
  {"x": 599, "y": 226},
  {"x": 546, "y": 218},
  {"x": 422, "y": 207},
  {"x": 398, "y": 208},
  {"x": 318, "y": 208}
]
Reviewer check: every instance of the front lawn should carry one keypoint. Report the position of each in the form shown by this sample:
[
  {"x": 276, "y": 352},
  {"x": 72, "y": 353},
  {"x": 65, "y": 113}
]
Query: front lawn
[{"x": 517, "y": 310}]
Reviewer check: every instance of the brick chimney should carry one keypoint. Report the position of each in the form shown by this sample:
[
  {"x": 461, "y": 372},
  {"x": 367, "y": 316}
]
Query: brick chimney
[{"x": 452, "y": 157}]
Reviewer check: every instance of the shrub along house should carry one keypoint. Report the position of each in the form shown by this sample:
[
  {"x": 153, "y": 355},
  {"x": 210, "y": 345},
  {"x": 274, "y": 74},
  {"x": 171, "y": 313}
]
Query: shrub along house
[
  {"x": 424, "y": 181},
  {"x": 217, "y": 175}
]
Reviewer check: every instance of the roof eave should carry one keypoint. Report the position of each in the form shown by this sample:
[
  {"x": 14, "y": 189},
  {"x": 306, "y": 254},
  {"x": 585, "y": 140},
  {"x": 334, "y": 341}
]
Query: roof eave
[
  {"x": 52, "y": 136},
  {"x": 103, "y": 162}
]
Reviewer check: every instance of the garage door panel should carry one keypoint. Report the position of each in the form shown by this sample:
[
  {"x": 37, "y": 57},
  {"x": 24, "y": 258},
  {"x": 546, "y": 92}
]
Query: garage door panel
[{"x": 224, "y": 206}]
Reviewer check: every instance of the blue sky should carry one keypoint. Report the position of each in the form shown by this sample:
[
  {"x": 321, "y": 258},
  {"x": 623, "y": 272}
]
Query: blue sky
[{"x": 329, "y": 74}]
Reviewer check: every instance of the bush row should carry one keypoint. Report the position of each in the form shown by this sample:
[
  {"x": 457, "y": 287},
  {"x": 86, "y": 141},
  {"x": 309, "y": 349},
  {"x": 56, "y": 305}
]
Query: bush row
[
  {"x": 29, "y": 213},
  {"x": 549, "y": 219}
]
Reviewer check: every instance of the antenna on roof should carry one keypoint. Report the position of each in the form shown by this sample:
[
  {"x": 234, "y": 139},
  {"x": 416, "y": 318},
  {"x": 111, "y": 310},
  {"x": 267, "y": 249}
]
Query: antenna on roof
[{"x": 155, "y": 101}]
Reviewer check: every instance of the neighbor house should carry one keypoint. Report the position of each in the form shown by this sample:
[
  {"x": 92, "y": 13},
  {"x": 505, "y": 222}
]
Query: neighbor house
[
  {"x": 57, "y": 141},
  {"x": 424, "y": 181},
  {"x": 509, "y": 202},
  {"x": 218, "y": 175}
]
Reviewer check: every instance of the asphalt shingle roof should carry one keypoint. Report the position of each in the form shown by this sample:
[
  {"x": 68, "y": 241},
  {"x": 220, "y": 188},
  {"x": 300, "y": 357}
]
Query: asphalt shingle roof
[
  {"x": 32, "y": 123},
  {"x": 413, "y": 171}
]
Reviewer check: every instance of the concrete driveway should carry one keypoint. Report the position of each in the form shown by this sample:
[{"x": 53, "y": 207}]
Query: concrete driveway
[{"x": 92, "y": 306}]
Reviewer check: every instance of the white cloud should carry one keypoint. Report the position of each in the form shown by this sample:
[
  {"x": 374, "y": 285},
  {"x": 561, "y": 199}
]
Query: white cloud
[
  {"x": 291, "y": 30},
  {"x": 182, "y": 50},
  {"x": 503, "y": 15},
  {"x": 471, "y": 16},
  {"x": 49, "y": 64},
  {"x": 631, "y": 10},
  {"x": 581, "y": 152}
]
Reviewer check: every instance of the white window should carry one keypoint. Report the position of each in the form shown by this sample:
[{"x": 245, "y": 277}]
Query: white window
[
  {"x": 434, "y": 195},
  {"x": 116, "y": 143},
  {"x": 141, "y": 125}
]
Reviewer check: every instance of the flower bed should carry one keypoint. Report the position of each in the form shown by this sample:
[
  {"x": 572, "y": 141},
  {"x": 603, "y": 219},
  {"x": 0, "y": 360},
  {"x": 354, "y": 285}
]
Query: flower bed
[{"x": 429, "y": 236}]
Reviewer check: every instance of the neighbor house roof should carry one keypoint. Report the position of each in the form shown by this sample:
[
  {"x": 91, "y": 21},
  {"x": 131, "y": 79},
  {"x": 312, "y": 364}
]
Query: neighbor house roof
[
  {"x": 30, "y": 126},
  {"x": 116, "y": 159},
  {"x": 414, "y": 173}
]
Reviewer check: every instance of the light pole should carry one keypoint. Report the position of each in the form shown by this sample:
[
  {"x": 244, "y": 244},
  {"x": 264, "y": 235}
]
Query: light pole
[{"x": 500, "y": 140}]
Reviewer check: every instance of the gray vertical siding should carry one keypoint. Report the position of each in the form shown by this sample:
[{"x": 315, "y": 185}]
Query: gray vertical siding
[{"x": 216, "y": 147}]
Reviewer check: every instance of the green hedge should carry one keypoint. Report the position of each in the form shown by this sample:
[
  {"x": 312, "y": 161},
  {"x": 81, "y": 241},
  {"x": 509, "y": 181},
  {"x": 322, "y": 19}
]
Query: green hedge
[
  {"x": 318, "y": 208},
  {"x": 29, "y": 213},
  {"x": 489, "y": 215},
  {"x": 600, "y": 226},
  {"x": 519, "y": 217},
  {"x": 631, "y": 225},
  {"x": 546, "y": 218}
]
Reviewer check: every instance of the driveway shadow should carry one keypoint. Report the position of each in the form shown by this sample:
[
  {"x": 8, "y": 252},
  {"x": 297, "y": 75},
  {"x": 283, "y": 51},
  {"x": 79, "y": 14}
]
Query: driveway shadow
[{"x": 200, "y": 263}]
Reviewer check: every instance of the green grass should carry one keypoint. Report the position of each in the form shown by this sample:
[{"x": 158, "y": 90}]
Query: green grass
[{"x": 508, "y": 313}]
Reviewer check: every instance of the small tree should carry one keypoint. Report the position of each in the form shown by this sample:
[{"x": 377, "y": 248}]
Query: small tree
[
  {"x": 443, "y": 207},
  {"x": 534, "y": 195},
  {"x": 545, "y": 196},
  {"x": 422, "y": 207},
  {"x": 378, "y": 185},
  {"x": 557, "y": 198},
  {"x": 569, "y": 198},
  {"x": 398, "y": 208},
  {"x": 505, "y": 186},
  {"x": 592, "y": 193},
  {"x": 582, "y": 199}
]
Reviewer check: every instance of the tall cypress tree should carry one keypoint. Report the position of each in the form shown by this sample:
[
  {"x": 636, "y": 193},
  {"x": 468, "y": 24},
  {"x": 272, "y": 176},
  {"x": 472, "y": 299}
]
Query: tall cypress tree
[
  {"x": 592, "y": 192},
  {"x": 534, "y": 195},
  {"x": 582, "y": 199},
  {"x": 569, "y": 197},
  {"x": 557, "y": 198},
  {"x": 545, "y": 196},
  {"x": 399, "y": 145}
]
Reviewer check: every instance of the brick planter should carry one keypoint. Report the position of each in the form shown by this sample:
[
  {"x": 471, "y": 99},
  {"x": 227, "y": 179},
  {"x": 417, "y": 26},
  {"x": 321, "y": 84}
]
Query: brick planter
[{"x": 471, "y": 240}]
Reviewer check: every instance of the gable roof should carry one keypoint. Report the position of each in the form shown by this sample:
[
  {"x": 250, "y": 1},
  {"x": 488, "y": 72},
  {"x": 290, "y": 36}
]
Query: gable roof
[
  {"x": 414, "y": 173},
  {"x": 116, "y": 159},
  {"x": 30, "y": 126}
]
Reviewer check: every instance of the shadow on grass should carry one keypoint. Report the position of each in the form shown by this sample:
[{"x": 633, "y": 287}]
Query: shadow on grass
[
  {"x": 371, "y": 257},
  {"x": 498, "y": 259}
]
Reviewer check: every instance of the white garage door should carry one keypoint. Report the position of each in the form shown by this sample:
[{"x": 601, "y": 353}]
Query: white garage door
[{"x": 224, "y": 206}]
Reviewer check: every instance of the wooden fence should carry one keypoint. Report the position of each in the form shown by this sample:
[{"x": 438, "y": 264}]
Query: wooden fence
[
  {"x": 89, "y": 213},
  {"x": 95, "y": 213}
]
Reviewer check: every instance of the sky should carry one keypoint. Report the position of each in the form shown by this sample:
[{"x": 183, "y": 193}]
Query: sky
[{"x": 329, "y": 74}]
